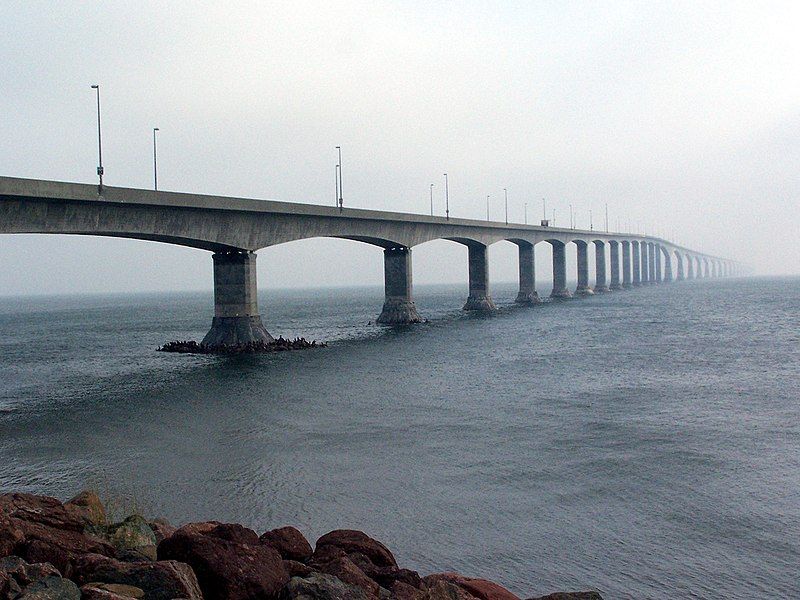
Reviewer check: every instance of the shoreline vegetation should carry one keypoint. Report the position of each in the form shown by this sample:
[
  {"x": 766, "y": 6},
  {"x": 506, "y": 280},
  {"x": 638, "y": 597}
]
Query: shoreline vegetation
[
  {"x": 51, "y": 550},
  {"x": 278, "y": 345}
]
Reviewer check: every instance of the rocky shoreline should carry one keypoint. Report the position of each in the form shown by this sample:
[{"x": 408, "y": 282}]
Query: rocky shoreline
[
  {"x": 259, "y": 347},
  {"x": 70, "y": 551}
]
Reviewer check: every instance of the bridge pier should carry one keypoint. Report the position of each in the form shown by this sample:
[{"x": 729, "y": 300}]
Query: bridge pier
[
  {"x": 560, "y": 289},
  {"x": 613, "y": 247},
  {"x": 637, "y": 271},
  {"x": 626, "y": 265},
  {"x": 690, "y": 267},
  {"x": 679, "y": 264},
  {"x": 583, "y": 288},
  {"x": 236, "y": 318},
  {"x": 479, "y": 298},
  {"x": 655, "y": 249},
  {"x": 527, "y": 275},
  {"x": 398, "y": 307},
  {"x": 645, "y": 262},
  {"x": 600, "y": 284}
]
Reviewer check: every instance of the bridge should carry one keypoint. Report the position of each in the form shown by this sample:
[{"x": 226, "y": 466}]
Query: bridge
[{"x": 234, "y": 229}]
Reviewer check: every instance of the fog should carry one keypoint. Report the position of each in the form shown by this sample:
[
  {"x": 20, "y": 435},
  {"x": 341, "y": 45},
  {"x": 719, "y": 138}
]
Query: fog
[{"x": 682, "y": 117}]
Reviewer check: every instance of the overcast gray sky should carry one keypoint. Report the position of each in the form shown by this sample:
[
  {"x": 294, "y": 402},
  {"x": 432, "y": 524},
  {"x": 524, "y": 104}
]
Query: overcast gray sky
[{"x": 683, "y": 116}]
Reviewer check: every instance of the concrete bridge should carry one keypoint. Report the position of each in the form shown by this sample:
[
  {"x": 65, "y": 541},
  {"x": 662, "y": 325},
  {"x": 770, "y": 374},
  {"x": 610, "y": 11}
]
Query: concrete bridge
[{"x": 235, "y": 228}]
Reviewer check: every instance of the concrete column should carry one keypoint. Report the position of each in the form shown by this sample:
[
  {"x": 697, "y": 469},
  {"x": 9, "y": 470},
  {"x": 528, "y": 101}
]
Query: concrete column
[
  {"x": 479, "y": 298},
  {"x": 656, "y": 249},
  {"x": 527, "y": 275},
  {"x": 560, "y": 271},
  {"x": 637, "y": 272},
  {"x": 703, "y": 268},
  {"x": 613, "y": 248},
  {"x": 398, "y": 307},
  {"x": 651, "y": 263},
  {"x": 689, "y": 266},
  {"x": 583, "y": 288},
  {"x": 643, "y": 246},
  {"x": 679, "y": 262},
  {"x": 626, "y": 265},
  {"x": 600, "y": 284},
  {"x": 667, "y": 266},
  {"x": 236, "y": 319}
]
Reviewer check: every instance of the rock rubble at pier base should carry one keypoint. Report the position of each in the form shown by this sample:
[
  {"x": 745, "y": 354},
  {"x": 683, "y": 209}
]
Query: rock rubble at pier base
[
  {"x": 69, "y": 551},
  {"x": 258, "y": 347}
]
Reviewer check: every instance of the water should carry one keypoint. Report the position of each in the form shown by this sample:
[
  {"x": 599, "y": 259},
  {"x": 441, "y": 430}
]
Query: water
[{"x": 644, "y": 443}]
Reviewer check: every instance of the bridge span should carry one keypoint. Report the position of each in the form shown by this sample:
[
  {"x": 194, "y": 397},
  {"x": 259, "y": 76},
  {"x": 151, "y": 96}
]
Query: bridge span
[{"x": 233, "y": 229}]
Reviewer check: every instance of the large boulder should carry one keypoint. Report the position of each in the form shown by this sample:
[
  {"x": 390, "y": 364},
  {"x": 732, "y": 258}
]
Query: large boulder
[
  {"x": 133, "y": 539},
  {"x": 162, "y": 529},
  {"x": 483, "y": 589},
  {"x": 89, "y": 505},
  {"x": 289, "y": 542},
  {"x": 347, "y": 571},
  {"x": 41, "y": 529},
  {"x": 160, "y": 580},
  {"x": 38, "y": 581},
  {"x": 443, "y": 590},
  {"x": 319, "y": 586},
  {"x": 229, "y": 560},
  {"x": 571, "y": 596},
  {"x": 351, "y": 541},
  {"x": 110, "y": 591}
]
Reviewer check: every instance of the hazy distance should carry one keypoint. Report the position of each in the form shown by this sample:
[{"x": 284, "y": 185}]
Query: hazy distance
[{"x": 683, "y": 117}]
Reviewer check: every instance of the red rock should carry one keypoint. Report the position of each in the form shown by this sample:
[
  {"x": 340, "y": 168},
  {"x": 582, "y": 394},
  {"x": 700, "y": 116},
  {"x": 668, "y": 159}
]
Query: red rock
[
  {"x": 444, "y": 590},
  {"x": 480, "y": 588},
  {"x": 227, "y": 566},
  {"x": 111, "y": 591},
  {"x": 89, "y": 506},
  {"x": 386, "y": 576},
  {"x": 289, "y": 542},
  {"x": 41, "y": 529},
  {"x": 347, "y": 571},
  {"x": 319, "y": 586},
  {"x": 160, "y": 580},
  {"x": 297, "y": 569},
  {"x": 403, "y": 591},
  {"x": 162, "y": 529},
  {"x": 351, "y": 541},
  {"x": 25, "y": 573}
]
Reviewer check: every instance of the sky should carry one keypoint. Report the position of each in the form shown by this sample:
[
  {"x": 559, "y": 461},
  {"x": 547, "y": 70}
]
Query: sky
[{"x": 682, "y": 117}]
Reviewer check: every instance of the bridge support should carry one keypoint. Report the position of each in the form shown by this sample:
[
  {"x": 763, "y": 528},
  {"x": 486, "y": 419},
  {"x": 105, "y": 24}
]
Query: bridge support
[
  {"x": 613, "y": 248},
  {"x": 560, "y": 271},
  {"x": 645, "y": 263},
  {"x": 626, "y": 264},
  {"x": 479, "y": 298},
  {"x": 236, "y": 320},
  {"x": 690, "y": 267},
  {"x": 667, "y": 266},
  {"x": 600, "y": 284},
  {"x": 655, "y": 264},
  {"x": 679, "y": 264},
  {"x": 527, "y": 275},
  {"x": 637, "y": 271},
  {"x": 583, "y": 288},
  {"x": 398, "y": 308}
]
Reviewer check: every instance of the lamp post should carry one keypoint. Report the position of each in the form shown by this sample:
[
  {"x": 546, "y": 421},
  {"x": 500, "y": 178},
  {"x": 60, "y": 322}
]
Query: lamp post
[
  {"x": 487, "y": 207},
  {"x": 505, "y": 191},
  {"x": 155, "y": 159},
  {"x": 446, "y": 198},
  {"x": 606, "y": 217},
  {"x": 341, "y": 201},
  {"x": 431, "y": 199},
  {"x": 526, "y": 213},
  {"x": 336, "y": 193},
  {"x": 591, "y": 223},
  {"x": 571, "y": 218},
  {"x": 99, "y": 141}
]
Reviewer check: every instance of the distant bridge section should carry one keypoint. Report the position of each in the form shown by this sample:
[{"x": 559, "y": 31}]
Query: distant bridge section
[{"x": 235, "y": 228}]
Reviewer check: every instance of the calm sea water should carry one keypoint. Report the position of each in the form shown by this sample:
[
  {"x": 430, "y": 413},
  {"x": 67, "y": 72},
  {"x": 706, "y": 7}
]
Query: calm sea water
[{"x": 644, "y": 443}]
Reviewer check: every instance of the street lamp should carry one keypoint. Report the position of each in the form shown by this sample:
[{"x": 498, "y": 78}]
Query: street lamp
[
  {"x": 526, "y": 213},
  {"x": 155, "y": 160},
  {"x": 571, "y": 217},
  {"x": 487, "y": 207},
  {"x": 431, "y": 199},
  {"x": 99, "y": 141},
  {"x": 591, "y": 223},
  {"x": 341, "y": 201},
  {"x": 446, "y": 198},
  {"x": 506, "y": 193}
]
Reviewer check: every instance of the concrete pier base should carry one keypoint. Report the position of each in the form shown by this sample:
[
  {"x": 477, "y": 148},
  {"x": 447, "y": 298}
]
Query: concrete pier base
[
  {"x": 583, "y": 288},
  {"x": 600, "y": 283},
  {"x": 398, "y": 308},
  {"x": 560, "y": 290},
  {"x": 613, "y": 250},
  {"x": 479, "y": 299},
  {"x": 527, "y": 275},
  {"x": 626, "y": 265},
  {"x": 236, "y": 320}
]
